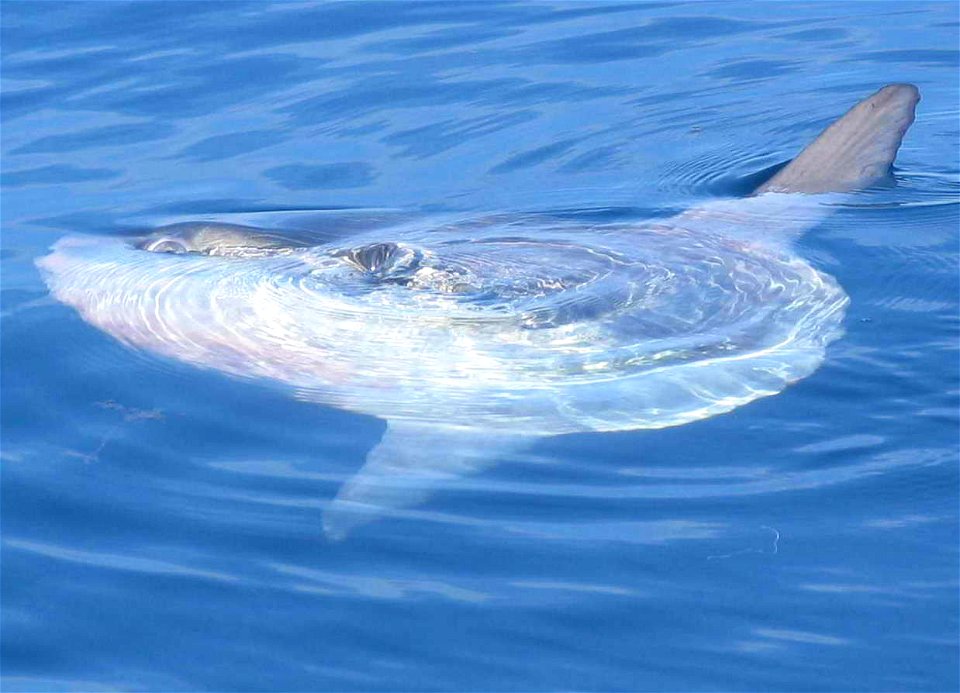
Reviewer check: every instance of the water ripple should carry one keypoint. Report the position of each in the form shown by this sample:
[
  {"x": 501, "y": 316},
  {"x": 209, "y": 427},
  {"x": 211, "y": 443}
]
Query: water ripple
[{"x": 549, "y": 328}]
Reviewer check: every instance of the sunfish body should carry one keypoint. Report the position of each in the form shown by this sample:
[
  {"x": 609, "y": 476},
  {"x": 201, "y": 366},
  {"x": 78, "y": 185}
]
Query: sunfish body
[{"x": 473, "y": 338}]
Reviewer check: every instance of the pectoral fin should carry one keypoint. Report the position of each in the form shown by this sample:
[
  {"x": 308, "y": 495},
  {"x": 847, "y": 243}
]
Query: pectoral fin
[{"x": 411, "y": 460}]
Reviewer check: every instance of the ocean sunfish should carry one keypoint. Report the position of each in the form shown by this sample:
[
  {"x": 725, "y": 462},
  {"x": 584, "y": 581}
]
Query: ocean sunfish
[{"x": 473, "y": 338}]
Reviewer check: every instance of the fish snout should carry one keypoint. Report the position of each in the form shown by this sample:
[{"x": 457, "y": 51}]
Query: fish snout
[{"x": 163, "y": 245}]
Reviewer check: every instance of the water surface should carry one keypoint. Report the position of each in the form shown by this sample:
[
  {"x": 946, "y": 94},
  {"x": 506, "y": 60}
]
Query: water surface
[{"x": 162, "y": 523}]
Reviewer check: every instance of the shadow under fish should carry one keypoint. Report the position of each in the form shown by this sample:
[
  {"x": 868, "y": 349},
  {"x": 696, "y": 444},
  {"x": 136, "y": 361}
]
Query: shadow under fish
[{"x": 474, "y": 338}]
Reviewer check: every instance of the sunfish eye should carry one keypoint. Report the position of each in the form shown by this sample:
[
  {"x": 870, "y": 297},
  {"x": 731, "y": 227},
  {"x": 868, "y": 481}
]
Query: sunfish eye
[{"x": 165, "y": 245}]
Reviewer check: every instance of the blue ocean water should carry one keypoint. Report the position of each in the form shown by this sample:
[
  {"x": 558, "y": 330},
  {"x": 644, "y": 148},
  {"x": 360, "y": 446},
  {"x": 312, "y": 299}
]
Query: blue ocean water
[{"x": 161, "y": 523}]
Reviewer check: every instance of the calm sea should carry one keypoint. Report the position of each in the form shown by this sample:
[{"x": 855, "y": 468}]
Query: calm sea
[{"x": 161, "y": 524}]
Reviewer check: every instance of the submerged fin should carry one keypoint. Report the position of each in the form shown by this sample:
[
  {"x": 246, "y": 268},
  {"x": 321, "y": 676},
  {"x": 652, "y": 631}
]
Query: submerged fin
[
  {"x": 855, "y": 151},
  {"x": 409, "y": 462}
]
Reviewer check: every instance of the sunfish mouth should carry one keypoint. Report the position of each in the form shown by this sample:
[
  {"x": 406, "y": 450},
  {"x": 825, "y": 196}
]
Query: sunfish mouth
[
  {"x": 164, "y": 245},
  {"x": 203, "y": 238}
]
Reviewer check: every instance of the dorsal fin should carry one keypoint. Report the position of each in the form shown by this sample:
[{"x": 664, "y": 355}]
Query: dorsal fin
[{"x": 856, "y": 150}]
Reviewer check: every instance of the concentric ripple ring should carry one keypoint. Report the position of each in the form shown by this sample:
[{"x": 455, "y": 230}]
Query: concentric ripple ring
[{"x": 552, "y": 329}]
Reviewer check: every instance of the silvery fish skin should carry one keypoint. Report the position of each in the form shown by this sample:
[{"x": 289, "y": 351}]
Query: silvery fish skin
[
  {"x": 497, "y": 325},
  {"x": 473, "y": 338}
]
